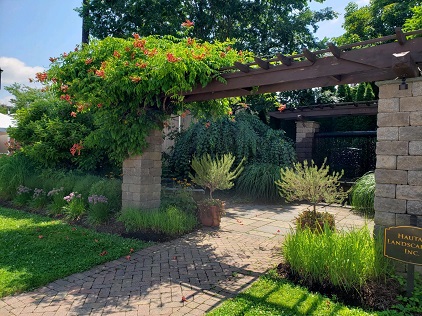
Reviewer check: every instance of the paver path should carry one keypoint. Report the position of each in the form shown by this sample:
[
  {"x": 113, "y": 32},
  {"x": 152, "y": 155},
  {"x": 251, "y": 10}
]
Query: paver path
[{"x": 187, "y": 276}]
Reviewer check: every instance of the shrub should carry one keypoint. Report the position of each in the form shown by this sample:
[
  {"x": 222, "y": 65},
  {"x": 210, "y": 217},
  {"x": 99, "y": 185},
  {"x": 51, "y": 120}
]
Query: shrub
[
  {"x": 23, "y": 195},
  {"x": 306, "y": 182},
  {"x": 39, "y": 199},
  {"x": 316, "y": 222},
  {"x": 182, "y": 199},
  {"x": 345, "y": 259},
  {"x": 258, "y": 181},
  {"x": 83, "y": 184},
  {"x": 362, "y": 194},
  {"x": 245, "y": 137},
  {"x": 170, "y": 220}
]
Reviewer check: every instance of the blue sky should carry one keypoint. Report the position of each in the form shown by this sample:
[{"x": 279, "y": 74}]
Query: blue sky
[{"x": 32, "y": 31}]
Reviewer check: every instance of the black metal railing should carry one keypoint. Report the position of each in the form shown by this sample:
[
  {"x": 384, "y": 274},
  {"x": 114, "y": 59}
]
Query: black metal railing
[{"x": 353, "y": 152}]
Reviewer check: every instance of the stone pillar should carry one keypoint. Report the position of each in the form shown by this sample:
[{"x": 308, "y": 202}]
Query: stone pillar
[
  {"x": 305, "y": 131},
  {"x": 398, "y": 174},
  {"x": 141, "y": 186}
]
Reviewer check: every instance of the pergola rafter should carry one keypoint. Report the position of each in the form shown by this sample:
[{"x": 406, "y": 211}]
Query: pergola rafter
[{"x": 332, "y": 66}]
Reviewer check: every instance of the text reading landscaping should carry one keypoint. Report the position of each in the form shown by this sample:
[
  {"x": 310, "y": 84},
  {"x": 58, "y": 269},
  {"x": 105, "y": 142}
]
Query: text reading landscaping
[{"x": 403, "y": 243}]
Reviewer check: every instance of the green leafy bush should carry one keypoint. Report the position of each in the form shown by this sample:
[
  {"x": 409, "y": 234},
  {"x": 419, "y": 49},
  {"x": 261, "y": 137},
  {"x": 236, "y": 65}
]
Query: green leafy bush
[
  {"x": 46, "y": 132},
  {"x": 258, "y": 181},
  {"x": 345, "y": 259},
  {"x": 169, "y": 220},
  {"x": 98, "y": 209},
  {"x": 362, "y": 194},
  {"x": 182, "y": 199},
  {"x": 316, "y": 222},
  {"x": 245, "y": 137}
]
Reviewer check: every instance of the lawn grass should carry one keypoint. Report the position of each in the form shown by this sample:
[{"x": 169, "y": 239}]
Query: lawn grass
[
  {"x": 35, "y": 250},
  {"x": 271, "y": 295}
]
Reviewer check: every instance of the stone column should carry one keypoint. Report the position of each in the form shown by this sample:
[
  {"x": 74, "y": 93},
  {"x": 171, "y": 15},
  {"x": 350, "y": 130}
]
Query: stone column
[
  {"x": 398, "y": 174},
  {"x": 141, "y": 186},
  {"x": 305, "y": 131}
]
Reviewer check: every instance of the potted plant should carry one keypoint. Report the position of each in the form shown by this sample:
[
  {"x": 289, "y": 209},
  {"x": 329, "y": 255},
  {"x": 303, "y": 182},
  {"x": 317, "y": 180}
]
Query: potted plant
[{"x": 214, "y": 174}]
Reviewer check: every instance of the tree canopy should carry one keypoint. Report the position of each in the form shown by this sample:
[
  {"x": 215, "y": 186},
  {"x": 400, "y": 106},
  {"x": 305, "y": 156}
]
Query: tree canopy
[
  {"x": 379, "y": 18},
  {"x": 263, "y": 27}
]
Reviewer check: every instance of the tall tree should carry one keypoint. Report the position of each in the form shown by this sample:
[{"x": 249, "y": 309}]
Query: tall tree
[
  {"x": 377, "y": 19},
  {"x": 261, "y": 26}
]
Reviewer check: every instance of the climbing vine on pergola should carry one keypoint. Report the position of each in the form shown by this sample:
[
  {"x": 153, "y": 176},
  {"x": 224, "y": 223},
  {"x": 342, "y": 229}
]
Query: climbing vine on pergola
[{"x": 134, "y": 85}]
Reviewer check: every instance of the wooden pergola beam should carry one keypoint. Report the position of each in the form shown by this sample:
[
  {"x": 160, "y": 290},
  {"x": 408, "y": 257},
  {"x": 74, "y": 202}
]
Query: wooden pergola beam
[
  {"x": 401, "y": 38},
  {"x": 366, "y": 64},
  {"x": 309, "y": 55},
  {"x": 318, "y": 112},
  {"x": 404, "y": 66},
  {"x": 286, "y": 60},
  {"x": 262, "y": 63}
]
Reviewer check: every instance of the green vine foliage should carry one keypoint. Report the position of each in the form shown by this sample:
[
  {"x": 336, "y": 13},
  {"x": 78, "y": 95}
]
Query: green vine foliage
[
  {"x": 244, "y": 135},
  {"x": 132, "y": 86}
]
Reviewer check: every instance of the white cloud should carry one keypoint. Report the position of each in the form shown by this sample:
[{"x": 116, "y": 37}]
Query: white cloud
[
  {"x": 362, "y": 2},
  {"x": 6, "y": 100},
  {"x": 15, "y": 70}
]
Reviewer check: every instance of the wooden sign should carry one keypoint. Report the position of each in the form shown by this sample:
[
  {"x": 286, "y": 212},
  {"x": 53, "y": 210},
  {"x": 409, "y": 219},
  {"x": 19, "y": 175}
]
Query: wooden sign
[{"x": 403, "y": 243}]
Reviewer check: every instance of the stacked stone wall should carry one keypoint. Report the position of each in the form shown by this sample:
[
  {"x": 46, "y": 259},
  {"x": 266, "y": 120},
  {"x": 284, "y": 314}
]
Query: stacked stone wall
[
  {"x": 141, "y": 187},
  {"x": 398, "y": 175},
  {"x": 305, "y": 131}
]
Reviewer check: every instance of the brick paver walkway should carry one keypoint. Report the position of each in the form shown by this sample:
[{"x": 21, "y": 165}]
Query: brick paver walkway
[{"x": 187, "y": 276}]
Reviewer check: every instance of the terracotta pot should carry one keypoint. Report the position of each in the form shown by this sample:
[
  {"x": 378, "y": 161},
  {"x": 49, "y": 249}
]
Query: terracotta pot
[{"x": 210, "y": 215}]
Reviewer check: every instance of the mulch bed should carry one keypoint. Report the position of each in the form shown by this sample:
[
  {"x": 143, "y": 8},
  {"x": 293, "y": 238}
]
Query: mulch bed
[{"x": 372, "y": 296}]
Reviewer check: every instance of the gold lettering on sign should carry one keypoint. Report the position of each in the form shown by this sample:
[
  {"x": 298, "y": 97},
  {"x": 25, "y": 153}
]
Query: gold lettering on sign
[
  {"x": 410, "y": 238},
  {"x": 411, "y": 252},
  {"x": 404, "y": 244}
]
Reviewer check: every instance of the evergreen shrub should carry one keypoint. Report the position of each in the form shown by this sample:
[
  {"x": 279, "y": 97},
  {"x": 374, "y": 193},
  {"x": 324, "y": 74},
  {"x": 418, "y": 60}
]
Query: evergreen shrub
[{"x": 245, "y": 137}]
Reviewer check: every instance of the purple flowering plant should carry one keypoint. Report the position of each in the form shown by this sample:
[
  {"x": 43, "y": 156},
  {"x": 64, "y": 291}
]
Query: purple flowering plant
[{"x": 75, "y": 207}]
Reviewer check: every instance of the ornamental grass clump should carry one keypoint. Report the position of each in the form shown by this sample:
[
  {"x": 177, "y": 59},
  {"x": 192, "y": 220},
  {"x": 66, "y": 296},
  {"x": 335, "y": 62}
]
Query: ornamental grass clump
[
  {"x": 169, "y": 219},
  {"x": 344, "y": 259},
  {"x": 258, "y": 180},
  {"x": 98, "y": 209},
  {"x": 362, "y": 194}
]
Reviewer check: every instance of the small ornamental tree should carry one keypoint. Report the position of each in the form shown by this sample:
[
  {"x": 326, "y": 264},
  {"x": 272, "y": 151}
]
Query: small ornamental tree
[
  {"x": 307, "y": 182},
  {"x": 133, "y": 85},
  {"x": 215, "y": 174}
]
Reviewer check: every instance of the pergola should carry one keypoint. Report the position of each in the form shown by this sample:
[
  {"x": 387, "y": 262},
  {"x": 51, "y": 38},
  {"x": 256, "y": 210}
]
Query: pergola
[{"x": 335, "y": 65}]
